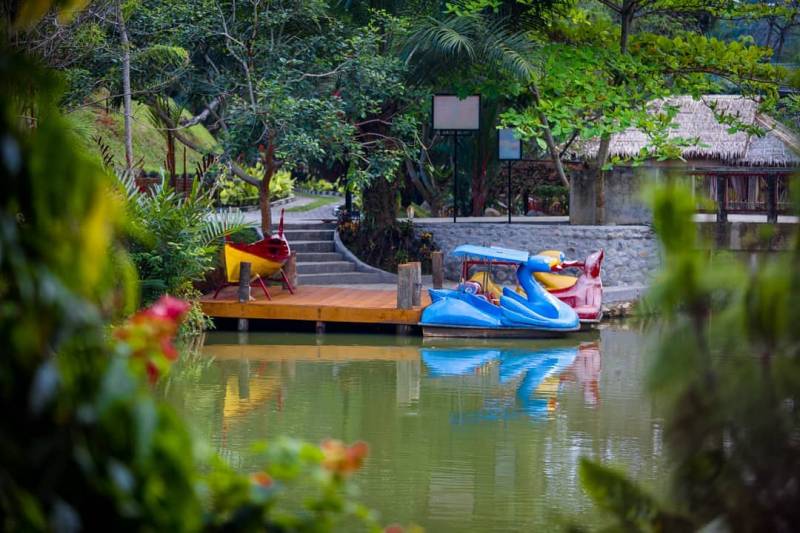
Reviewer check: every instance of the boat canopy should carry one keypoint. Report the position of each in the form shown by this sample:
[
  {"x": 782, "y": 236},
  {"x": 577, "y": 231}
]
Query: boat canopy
[
  {"x": 537, "y": 263},
  {"x": 492, "y": 252}
]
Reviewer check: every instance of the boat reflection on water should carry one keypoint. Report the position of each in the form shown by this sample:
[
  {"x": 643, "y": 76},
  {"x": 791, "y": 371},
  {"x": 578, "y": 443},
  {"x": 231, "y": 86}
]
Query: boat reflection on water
[{"x": 527, "y": 382}]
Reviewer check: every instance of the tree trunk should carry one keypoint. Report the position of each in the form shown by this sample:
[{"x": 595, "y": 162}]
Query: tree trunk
[
  {"x": 264, "y": 205},
  {"x": 480, "y": 185},
  {"x": 270, "y": 168},
  {"x": 626, "y": 21},
  {"x": 126, "y": 87},
  {"x": 485, "y": 155},
  {"x": 548, "y": 139},
  {"x": 379, "y": 203}
]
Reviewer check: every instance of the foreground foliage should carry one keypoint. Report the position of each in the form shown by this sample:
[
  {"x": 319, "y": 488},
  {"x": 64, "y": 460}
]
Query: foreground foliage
[
  {"x": 84, "y": 444},
  {"x": 728, "y": 366}
]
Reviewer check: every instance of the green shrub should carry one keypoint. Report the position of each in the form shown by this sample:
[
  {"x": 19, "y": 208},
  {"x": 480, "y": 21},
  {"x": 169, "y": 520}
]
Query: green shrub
[
  {"x": 386, "y": 247},
  {"x": 318, "y": 185},
  {"x": 235, "y": 192}
]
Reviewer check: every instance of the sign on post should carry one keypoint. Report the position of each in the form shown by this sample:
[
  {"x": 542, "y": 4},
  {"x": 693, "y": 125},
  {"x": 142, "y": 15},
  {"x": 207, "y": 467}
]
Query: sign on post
[
  {"x": 509, "y": 148},
  {"x": 452, "y": 115}
]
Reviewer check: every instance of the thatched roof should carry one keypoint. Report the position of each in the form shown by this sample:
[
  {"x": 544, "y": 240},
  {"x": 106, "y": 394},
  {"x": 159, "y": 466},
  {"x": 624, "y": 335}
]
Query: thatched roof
[{"x": 779, "y": 147}]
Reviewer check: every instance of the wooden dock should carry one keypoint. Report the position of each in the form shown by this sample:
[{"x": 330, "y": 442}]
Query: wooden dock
[{"x": 316, "y": 304}]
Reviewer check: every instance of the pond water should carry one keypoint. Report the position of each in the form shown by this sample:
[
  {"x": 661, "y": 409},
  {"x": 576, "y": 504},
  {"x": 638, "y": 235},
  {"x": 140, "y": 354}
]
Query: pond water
[{"x": 464, "y": 436}]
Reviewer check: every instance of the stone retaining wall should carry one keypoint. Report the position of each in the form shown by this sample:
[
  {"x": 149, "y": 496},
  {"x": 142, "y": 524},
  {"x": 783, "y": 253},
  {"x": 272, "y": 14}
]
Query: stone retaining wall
[{"x": 632, "y": 254}]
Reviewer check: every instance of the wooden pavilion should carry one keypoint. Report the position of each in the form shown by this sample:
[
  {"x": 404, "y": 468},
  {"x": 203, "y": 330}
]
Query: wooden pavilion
[{"x": 739, "y": 171}]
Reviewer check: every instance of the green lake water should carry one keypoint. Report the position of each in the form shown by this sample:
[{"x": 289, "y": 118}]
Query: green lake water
[{"x": 463, "y": 436}]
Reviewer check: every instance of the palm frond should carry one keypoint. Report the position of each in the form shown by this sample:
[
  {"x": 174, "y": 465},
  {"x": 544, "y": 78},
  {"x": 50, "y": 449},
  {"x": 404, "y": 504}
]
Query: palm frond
[
  {"x": 475, "y": 39},
  {"x": 221, "y": 225},
  {"x": 450, "y": 37}
]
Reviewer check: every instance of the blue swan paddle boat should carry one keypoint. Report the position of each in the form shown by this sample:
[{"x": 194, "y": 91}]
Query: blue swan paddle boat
[{"x": 468, "y": 312}]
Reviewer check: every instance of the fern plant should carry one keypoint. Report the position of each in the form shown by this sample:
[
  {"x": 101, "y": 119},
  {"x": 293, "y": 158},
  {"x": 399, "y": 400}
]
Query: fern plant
[{"x": 174, "y": 239}]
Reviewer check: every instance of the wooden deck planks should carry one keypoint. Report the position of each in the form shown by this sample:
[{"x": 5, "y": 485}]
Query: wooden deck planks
[{"x": 316, "y": 303}]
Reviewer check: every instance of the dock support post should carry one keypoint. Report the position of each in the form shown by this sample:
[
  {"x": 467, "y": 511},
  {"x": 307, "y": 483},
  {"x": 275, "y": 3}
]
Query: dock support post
[
  {"x": 290, "y": 269},
  {"x": 320, "y": 327},
  {"x": 406, "y": 276},
  {"x": 437, "y": 269},
  {"x": 416, "y": 286},
  {"x": 244, "y": 291},
  {"x": 405, "y": 286}
]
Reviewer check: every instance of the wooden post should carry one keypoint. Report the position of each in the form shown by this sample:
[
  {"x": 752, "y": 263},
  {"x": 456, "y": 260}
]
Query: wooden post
[
  {"x": 772, "y": 199},
  {"x": 437, "y": 268},
  {"x": 722, "y": 199},
  {"x": 290, "y": 269},
  {"x": 416, "y": 286},
  {"x": 244, "y": 290},
  {"x": 405, "y": 286}
]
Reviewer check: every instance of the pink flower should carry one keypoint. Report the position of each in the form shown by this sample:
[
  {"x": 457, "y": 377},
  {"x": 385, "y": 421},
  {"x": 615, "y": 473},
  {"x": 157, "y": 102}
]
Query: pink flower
[{"x": 168, "y": 308}]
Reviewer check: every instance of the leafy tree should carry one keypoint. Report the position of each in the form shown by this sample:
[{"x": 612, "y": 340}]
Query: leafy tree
[
  {"x": 596, "y": 78},
  {"x": 286, "y": 85}
]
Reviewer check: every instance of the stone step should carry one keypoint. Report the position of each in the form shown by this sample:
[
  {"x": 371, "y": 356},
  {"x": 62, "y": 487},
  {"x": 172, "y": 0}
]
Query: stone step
[
  {"x": 325, "y": 267},
  {"x": 312, "y": 246},
  {"x": 293, "y": 235},
  {"x": 316, "y": 257},
  {"x": 344, "y": 278},
  {"x": 290, "y": 226}
]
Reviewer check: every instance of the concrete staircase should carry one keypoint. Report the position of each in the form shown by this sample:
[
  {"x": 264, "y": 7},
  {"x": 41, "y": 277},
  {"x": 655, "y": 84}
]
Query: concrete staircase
[{"x": 318, "y": 263}]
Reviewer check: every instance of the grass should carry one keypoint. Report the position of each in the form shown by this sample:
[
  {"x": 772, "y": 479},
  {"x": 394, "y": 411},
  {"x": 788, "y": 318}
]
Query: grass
[
  {"x": 319, "y": 202},
  {"x": 148, "y": 142}
]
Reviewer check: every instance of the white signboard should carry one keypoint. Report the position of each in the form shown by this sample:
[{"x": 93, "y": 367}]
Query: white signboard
[
  {"x": 509, "y": 147},
  {"x": 454, "y": 113}
]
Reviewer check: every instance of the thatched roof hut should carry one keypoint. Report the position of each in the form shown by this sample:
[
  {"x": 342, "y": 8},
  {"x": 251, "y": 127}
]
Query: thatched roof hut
[{"x": 779, "y": 147}]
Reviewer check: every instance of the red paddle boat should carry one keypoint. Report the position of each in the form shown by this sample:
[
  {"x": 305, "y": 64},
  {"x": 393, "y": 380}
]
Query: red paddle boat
[
  {"x": 266, "y": 257},
  {"x": 584, "y": 293}
]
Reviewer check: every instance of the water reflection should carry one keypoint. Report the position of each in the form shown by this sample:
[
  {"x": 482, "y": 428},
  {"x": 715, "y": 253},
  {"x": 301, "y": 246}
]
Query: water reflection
[
  {"x": 463, "y": 435},
  {"x": 524, "y": 381}
]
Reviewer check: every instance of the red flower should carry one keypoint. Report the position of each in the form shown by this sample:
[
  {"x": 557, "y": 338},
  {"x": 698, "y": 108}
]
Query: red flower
[
  {"x": 341, "y": 459},
  {"x": 150, "y": 332},
  {"x": 167, "y": 307}
]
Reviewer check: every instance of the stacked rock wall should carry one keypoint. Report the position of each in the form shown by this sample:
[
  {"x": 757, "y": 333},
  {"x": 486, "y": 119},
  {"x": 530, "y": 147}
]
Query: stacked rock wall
[{"x": 632, "y": 253}]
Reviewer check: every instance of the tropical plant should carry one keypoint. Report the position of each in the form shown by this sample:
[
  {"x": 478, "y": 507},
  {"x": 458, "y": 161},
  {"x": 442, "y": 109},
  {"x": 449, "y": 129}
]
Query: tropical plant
[{"x": 175, "y": 238}]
